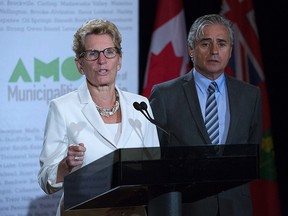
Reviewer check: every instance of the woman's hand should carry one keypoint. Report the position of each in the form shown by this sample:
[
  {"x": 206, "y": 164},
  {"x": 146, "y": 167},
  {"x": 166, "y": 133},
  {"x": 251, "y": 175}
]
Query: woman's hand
[{"x": 75, "y": 157}]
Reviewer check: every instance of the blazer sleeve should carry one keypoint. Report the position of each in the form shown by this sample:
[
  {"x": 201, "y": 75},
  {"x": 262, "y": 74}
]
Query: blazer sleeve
[{"x": 54, "y": 149}]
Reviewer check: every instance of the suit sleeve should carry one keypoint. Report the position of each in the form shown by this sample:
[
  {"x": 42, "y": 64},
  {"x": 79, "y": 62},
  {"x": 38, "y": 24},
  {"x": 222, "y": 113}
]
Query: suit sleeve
[{"x": 255, "y": 136}]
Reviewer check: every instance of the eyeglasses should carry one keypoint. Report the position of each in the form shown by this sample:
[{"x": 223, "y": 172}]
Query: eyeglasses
[{"x": 92, "y": 55}]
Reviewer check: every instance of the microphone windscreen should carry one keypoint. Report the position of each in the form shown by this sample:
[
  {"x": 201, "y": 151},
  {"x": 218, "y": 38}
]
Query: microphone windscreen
[
  {"x": 143, "y": 105},
  {"x": 137, "y": 106}
]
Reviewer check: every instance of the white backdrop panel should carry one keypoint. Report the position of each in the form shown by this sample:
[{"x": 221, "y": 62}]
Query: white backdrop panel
[{"x": 36, "y": 65}]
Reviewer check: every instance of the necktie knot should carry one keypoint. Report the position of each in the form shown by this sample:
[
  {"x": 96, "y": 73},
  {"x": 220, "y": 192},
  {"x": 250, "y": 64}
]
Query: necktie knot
[{"x": 212, "y": 87}]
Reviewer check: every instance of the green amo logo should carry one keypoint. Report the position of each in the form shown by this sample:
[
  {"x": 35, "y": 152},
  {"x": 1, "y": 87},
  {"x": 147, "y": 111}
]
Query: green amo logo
[{"x": 68, "y": 70}]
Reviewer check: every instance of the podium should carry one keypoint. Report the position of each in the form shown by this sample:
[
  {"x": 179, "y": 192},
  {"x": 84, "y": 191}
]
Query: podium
[{"x": 160, "y": 177}]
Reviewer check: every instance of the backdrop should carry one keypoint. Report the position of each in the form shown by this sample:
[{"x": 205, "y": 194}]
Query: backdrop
[{"x": 37, "y": 64}]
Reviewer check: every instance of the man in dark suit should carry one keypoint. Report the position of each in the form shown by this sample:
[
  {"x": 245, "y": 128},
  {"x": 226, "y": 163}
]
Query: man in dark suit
[{"x": 180, "y": 105}]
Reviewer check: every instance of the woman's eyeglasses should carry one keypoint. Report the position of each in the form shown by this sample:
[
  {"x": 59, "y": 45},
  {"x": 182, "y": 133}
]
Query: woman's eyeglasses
[{"x": 92, "y": 55}]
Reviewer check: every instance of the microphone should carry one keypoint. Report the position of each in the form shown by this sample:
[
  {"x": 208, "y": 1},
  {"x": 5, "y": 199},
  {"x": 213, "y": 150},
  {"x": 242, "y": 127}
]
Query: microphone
[{"x": 143, "y": 106}]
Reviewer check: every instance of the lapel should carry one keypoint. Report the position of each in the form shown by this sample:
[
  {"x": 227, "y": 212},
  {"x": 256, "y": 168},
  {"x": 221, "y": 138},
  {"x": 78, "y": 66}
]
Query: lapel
[
  {"x": 234, "y": 106},
  {"x": 91, "y": 114},
  {"x": 192, "y": 98},
  {"x": 127, "y": 115},
  {"x": 93, "y": 117}
]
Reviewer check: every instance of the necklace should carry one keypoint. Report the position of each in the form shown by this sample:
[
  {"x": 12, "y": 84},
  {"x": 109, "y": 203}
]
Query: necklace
[{"x": 109, "y": 112}]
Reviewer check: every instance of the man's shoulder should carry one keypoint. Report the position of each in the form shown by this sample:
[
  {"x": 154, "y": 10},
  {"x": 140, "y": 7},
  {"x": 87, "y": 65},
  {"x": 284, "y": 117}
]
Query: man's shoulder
[
  {"x": 176, "y": 81},
  {"x": 232, "y": 81}
]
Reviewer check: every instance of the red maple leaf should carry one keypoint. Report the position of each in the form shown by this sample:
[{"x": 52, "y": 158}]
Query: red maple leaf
[{"x": 163, "y": 67}]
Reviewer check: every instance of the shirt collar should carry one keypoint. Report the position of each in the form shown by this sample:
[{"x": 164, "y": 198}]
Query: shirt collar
[{"x": 203, "y": 82}]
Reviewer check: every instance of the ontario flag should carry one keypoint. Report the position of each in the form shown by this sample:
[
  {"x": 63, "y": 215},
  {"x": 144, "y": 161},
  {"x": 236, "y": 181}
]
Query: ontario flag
[
  {"x": 246, "y": 64},
  {"x": 168, "y": 56}
]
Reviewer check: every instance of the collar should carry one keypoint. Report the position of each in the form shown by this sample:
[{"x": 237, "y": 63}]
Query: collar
[{"x": 203, "y": 82}]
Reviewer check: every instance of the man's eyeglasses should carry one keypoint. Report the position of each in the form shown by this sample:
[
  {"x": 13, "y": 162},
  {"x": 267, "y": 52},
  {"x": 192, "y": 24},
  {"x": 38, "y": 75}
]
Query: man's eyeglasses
[{"x": 92, "y": 55}]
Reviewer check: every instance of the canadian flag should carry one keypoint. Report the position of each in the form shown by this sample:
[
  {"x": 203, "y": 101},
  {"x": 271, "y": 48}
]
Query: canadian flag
[{"x": 168, "y": 56}]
